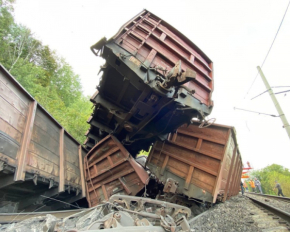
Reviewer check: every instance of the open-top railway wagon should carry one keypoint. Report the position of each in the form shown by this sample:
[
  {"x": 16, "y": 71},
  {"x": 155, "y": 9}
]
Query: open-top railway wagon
[
  {"x": 39, "y": 160},
  {"x": 200, "y": 163},
  {"x": 154, "y": 80}
]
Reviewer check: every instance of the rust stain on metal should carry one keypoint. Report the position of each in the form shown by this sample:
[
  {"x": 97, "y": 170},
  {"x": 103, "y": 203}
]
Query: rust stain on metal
[
  {"x": 110, "y": 169},
  {"x": 20, "y": 174},
  {"x": 202, "y": 161},
  {"x": 33, "y": 148}
]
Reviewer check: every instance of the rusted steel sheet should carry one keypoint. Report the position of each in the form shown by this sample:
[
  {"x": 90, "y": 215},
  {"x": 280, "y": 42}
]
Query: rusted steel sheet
[
  {"x": 156, "y": 43},
  {"x": 110, "y": 169},
  {"x": 34, "y": 146},
  {"x": 154, "y": 80},
  {"x": 202, "y": 163}
]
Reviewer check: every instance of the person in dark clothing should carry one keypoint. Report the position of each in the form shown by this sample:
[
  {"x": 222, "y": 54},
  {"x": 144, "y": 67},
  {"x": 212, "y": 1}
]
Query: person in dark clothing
[
  {"x": 278, "y": 186},
  {"x": 242, "y": 188}
]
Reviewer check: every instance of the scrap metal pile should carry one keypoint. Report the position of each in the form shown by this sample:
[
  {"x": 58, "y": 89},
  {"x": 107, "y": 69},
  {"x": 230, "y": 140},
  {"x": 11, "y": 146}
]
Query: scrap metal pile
[{"x": 120, "y": 213}]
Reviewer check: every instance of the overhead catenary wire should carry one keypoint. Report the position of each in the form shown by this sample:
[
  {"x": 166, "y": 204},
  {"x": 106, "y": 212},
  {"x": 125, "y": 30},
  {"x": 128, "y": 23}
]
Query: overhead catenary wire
[
  {"x": 60, "y": 201},
  {"x": 256, "y": 112},
  {"x": 268, "y": 90},
  {"x": 269, "y": 49}
]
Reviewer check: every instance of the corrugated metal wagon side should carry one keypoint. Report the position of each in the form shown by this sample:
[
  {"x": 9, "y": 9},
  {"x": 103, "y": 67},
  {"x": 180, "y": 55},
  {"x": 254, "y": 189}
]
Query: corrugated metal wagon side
[
  {"x": 37, "y": 156},
  {"x": 205, "y": 162},
  {"x": 156, "y": 43},
  {"x": 154, "y": 80},
  {"x": 110, "y": 169}
]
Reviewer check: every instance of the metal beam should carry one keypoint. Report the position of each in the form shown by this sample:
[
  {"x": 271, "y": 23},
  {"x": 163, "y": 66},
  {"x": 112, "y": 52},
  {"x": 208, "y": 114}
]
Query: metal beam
[
  {"x": 82, "y": 171},
  {"x": 6, "y": 181},
  {"x": 61, "y": 187},
  {"x": 21, "y": 156}
]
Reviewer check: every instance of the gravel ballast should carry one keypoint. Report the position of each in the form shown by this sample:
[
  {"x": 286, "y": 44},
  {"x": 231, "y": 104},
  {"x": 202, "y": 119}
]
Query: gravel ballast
[{"x": 236, "y": 214}]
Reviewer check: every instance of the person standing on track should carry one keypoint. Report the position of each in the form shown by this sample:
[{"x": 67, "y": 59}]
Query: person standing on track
[
  {"x": 253, "y": 185},
  {"x": 242, "y": 188},
  {"x": 278, "y": 186},
  {"x": 246, "y": 186},
  {"x": 258, "y": 185}
]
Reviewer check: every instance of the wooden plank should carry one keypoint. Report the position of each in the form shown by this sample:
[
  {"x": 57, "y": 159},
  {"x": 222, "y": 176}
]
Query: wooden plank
[
  {"x": 21, "y": 156},
  {"x": 61, "y": 187},
  {"x": 188, "y": 178},
  {"x": 82, "y": 172}
]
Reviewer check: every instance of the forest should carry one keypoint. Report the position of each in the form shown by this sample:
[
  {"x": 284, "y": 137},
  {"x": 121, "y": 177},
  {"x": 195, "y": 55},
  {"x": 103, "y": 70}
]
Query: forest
[{"x": 43, "y": 73}]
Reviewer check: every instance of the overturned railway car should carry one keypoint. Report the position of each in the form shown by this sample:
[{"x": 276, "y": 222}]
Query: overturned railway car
[
  {"x": 110, "y": 169},
  {"x": 39, "y": 160},
  {"x": 200, "y": 163},
  {"x": 154, "y": 80}
]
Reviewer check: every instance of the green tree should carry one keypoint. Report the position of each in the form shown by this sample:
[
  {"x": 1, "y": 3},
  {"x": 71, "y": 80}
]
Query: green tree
[
  {"x": 269, "y": 174},
  {"x": 46, "y": 76}
]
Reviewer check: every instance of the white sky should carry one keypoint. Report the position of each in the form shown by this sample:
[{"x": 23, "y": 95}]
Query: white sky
[{"x": 236, "y": 35}]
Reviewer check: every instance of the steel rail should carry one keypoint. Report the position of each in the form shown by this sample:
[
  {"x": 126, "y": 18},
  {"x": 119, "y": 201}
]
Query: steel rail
[
  {"x": 286, "y": 199},
  {"x": 17, "y": 217},
  {"x": 280, "y": 213}
]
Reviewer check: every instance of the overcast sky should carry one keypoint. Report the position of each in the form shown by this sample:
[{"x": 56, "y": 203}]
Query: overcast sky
[{"x": 236, "y": 35}]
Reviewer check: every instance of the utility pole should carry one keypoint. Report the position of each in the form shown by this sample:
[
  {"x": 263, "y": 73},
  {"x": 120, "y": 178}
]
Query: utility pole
[{"x": 276, "y": 103}]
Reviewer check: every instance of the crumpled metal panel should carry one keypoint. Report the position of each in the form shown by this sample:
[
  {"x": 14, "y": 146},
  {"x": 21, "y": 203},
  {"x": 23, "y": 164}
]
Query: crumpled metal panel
[{"x": 110, "y": 169}]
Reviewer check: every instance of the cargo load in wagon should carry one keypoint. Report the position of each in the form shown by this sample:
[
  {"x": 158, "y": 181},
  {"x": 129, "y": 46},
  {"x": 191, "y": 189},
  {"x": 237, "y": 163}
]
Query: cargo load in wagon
[
  {"x": 200, "y": 163},
  {"x": 154, "y": 80}
]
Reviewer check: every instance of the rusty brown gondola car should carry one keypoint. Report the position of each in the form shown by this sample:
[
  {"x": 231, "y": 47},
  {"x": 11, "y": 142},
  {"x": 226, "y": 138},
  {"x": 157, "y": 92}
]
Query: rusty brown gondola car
[
  {"x": 200, "y": 163},
  {"x": 37, "y": 156},
  {"x": 110, "y": 169},
  {"x": 154, "y": 80}
]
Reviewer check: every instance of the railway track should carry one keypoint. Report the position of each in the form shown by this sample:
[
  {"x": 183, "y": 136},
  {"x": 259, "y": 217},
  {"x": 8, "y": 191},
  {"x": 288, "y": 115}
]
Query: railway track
[
  {"x": 17, "y": 217},
  {"x": 282, "y": 216},
  {"x": 286, "y": 199}
]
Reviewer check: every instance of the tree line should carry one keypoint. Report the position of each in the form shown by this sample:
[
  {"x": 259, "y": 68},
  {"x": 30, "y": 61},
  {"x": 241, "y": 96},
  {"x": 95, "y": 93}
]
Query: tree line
[
  {"x": 267, "y": 177},
  {"x": 44, "y": 74}
]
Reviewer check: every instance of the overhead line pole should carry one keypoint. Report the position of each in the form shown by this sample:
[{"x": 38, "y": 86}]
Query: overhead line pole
[{"x": 276, "y": 103}]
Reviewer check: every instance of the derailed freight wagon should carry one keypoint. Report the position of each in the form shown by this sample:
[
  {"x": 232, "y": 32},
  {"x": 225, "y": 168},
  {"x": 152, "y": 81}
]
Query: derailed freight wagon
[
  {"x": 154, "y": 80},
  {"x": 37, "y": 156},
  {"x": 110, "y": 169},
  {"x": 200, "y": 163}
]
